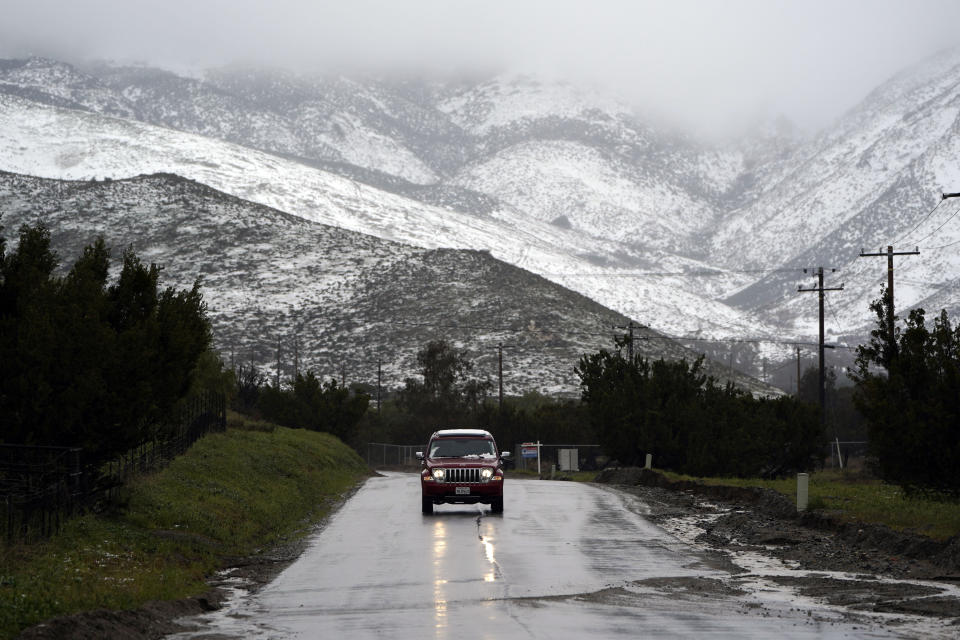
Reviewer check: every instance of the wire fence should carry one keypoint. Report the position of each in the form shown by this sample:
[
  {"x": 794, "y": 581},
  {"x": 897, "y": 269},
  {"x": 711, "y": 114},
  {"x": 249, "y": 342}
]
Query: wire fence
[
  {"x": 562, "y": 457},
  {"x": 842, "y": 454},
  {"x": 380, "y": 454},
  {"x": 566, "y": 457},
  {"x": 43, "y": 486},
  {"x": 583, "y": 457}
]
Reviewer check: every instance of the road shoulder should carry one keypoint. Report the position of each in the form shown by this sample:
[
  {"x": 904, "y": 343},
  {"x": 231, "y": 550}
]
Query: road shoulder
[{"x": 866, "y": 567}]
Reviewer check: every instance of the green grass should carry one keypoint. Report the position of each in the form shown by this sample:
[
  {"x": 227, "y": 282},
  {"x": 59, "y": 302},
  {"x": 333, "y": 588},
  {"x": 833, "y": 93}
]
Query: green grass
[
  {"x": 856, "y": 496},
  {"x": 230, "y": 495}
]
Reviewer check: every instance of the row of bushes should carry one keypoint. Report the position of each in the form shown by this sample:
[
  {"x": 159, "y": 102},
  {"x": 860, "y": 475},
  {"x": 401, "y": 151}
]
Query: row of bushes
[
  {"x": 309, "y": 403},
  {"x": 690, "y": 423}
]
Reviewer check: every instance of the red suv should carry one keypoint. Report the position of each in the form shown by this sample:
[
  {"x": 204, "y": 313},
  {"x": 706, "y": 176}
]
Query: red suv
[{"x": 462, "y": 466}]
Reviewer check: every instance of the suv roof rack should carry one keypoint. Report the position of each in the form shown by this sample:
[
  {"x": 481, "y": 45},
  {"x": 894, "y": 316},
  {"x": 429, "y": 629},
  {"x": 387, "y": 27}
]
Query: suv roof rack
[{"x": 462, "y": 433}]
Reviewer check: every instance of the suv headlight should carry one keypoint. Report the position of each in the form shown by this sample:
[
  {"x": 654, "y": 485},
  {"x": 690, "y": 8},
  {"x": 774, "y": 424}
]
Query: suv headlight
[
  {"x": 438, "y": 475},
  {"x": 486, "y": 473}
]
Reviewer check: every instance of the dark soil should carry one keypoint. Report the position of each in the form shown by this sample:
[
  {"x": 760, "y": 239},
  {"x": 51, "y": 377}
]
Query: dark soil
[{"x": 762, "y": 520}]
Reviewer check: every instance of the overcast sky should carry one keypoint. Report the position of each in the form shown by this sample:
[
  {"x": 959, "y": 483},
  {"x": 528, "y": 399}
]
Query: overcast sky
[{"x": 712, "y": 64}]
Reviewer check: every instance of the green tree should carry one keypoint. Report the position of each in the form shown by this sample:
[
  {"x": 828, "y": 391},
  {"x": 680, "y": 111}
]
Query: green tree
[
  {"x": 908, "y": 389},
  {"x": 86, "y": 363},
  {"x": 29, "y": 336},
  {"x": 446, "y": 394},
  {"x": 810, "y": 386},
  {"x": 690, "y": 423},
  {"x": 316, "y": 405}
]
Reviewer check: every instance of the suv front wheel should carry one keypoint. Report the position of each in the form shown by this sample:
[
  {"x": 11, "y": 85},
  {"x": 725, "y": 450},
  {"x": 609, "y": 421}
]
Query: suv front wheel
[
  {"x": 496, "y": 505},
  {"x": 426, "y": 505}
]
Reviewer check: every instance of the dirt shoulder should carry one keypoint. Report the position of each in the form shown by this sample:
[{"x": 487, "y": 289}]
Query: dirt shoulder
[{"x": 734, "y": 520}]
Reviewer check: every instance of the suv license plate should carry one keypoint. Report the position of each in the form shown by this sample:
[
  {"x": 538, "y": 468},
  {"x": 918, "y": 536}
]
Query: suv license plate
[{"x": 463, "y": 491}]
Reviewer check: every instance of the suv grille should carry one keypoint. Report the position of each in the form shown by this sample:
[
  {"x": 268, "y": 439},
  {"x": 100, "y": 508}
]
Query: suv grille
[{"x": 462, "y": 475}]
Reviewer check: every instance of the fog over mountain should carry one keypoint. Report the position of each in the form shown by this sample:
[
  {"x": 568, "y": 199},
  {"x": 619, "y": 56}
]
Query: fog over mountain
[{"x": 710, "y": 66}]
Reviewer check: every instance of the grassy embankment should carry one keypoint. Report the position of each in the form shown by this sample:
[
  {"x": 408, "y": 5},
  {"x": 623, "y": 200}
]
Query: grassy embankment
[
  {"x": 852, "y": 496},
  {"x": 230, "y": 495},
  {"x": 857, "y": 496}
]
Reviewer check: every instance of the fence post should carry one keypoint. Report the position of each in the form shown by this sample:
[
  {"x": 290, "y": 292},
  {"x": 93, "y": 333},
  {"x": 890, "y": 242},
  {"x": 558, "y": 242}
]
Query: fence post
[{"x": 802, "y": 491}]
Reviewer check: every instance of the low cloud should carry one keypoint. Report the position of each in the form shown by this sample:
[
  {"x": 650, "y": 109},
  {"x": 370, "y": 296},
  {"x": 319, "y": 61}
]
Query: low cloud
[{"x": 709, "y": 65}]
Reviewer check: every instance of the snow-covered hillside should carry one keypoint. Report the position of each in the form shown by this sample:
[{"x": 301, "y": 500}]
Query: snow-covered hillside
[
  {"x": 61, "y": 143},
  {"x": 337, "y": 299},
  {"x": 872, "y": 181}
]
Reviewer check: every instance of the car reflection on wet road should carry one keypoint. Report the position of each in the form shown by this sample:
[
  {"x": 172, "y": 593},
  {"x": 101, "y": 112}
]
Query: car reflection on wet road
[{"x": 565, "y": 560}]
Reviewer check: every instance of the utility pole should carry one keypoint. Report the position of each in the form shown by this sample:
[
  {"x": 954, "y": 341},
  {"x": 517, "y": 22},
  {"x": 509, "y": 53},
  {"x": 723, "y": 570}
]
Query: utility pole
[
  {"x": 296, "y": 354},
  {"x": 630, "y": 327},
  {"x": 500, "y": 372},
  {"x": 823, "y": 394},
  {"x": 278, "y": 363},
  {"x": 889, "y": 254},
  {"x": 798, "y": 371}
]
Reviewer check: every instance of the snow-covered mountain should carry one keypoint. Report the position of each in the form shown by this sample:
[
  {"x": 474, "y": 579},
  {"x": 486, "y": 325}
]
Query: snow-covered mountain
[
  {"x": 873, "y": 180},
  {"x": 337, "y": 300},
  {"x": 57, "y": 142},
  {"x": 689, "y": 238}
]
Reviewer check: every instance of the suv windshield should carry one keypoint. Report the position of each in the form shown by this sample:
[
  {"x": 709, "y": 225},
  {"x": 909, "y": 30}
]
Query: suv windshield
[{"x": 461, "y": 448}]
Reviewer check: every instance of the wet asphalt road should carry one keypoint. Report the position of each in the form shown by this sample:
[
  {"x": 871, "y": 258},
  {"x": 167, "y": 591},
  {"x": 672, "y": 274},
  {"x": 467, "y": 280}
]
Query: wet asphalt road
[{"x": 565, "y": 560}]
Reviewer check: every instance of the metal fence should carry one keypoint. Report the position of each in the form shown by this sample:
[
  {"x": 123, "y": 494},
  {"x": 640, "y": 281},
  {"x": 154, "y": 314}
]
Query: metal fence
[
  {"x": 39, "y": 486},
  {"x": 586, "y": 457},
  {"x": 42, "y": 486},
  {"x": 841, "y": 454},
  {"x": 380, "y": 454}
]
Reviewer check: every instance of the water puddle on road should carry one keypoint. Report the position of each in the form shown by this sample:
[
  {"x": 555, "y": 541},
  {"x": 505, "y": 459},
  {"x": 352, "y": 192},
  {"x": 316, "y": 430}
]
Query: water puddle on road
[{"x": 235, "y": 619}]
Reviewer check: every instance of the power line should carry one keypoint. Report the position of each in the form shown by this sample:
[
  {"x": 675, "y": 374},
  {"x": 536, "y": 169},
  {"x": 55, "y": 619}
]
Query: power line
[
  {"x": 436, "y": 325},
  {"x": 830, "y": 307},
  {"x": 925, "y": 218},
  {"x": 606, "y": 334},
  {"x": 666, "y": 274},
  {"x": 945, "y": 246},
  {"x": 952, "y": 216}
]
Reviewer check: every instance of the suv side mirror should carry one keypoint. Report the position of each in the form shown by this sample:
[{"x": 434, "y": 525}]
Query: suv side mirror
[
  {"x": 505, "y": 454},
  {"x": 419, "y": 455}
]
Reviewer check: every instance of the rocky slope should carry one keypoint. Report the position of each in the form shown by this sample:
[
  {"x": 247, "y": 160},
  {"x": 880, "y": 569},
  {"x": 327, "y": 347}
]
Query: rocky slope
[{"x": 338, "y": 299}]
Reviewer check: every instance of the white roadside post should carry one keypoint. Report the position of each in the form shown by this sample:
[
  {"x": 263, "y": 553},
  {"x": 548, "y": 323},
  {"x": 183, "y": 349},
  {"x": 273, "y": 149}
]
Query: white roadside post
[
  {"x": 803, "y": 481},
  {"x": 538, "y": 458},
  {"x": 649, "y": 464}
]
